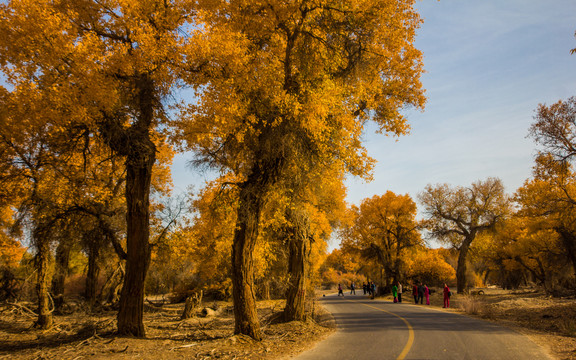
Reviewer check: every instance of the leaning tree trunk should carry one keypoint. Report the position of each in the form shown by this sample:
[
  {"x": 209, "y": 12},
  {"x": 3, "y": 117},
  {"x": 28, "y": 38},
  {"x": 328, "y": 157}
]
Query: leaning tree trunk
[
  {"x": 461, "y": 283},
  {"x": 245, "y": 235},
  {"x": 298, "y": 265},
  {"x": 138, "y": 179},
  {"x": 45, "y": 319}
]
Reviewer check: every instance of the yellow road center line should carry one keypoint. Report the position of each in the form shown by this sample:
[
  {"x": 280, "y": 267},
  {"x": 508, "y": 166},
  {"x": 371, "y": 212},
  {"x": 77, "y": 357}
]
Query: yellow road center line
[{"x": 410, "y": 342}]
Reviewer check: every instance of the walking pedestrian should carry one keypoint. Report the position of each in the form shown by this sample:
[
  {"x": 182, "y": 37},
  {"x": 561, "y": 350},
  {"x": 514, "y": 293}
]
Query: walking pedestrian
[
  {"x": 373, "y": 289},
  {"x": 420, "y": 293},
  {"x": 447, "y": 295},
  {"x": 395, "y": 293},
  {"x": 340, "y": 292},
  {"x": 427, "y": 294},
  {"x": 399, "y": 292},
  {"x": 352, "y": 289},
  {"x": 364, "y": 288},
  {"x": 415, "y": 293}
]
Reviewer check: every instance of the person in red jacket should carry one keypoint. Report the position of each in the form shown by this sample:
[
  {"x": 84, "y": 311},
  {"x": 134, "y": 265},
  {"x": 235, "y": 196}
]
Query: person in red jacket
[{"x": 447, "y": 294}]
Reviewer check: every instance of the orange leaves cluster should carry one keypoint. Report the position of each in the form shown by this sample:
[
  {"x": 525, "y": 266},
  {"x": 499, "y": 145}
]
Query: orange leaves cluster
[
  {"x": 429, "y": 267},
  {"x": 383, "y": 230},
  {"x": 11, "y": 251},
  {"x": 342, "y": 267},
  {"x": 386, "y": 222}
]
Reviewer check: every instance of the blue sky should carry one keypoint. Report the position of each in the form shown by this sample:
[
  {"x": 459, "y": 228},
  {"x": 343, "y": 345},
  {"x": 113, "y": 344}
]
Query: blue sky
[{"x": 488, "y": 64}]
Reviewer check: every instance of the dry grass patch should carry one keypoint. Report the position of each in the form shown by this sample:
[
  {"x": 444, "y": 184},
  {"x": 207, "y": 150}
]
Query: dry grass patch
[
  {"x": 472, "y": 305},
  {"x": 550, "y": 322}
]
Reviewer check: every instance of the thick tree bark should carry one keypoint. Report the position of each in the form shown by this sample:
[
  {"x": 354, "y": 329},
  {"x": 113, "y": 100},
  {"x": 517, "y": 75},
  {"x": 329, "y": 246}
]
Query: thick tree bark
[
  {"x": 138, "y": 179},
  {"x": 135, "y": 143},
  {"x": 245, "y": 235},
  {"x": 45, "y": 319},
  {"x": 60, "y": 272},
  {"x": 569, "y": 242},
  {"x": 251, "y": 197},
  {"x": 461, "y": 282},
  {"x": 93, "y": 270},
  {"x": 298, "y": 265},
  {"x": 397, "y": 264}
]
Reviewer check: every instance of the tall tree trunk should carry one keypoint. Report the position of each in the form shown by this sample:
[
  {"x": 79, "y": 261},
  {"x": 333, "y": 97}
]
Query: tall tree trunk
[
  {"x": 93, "y": 269},
  {"x": 569, "y": 242},
  {"x": 45, "y": 319},
  {"x": 264, "y": 173},
  {"x": 138, "y": 179},
  {"x": 245, "y": 235},
  {"x": 298, "y": 265},
  {"x": 397, "y": 264},
  {"x": 461, "y": 282},
  {"x": 60, "y": 272},
  {"x": 140, "y": 157}
]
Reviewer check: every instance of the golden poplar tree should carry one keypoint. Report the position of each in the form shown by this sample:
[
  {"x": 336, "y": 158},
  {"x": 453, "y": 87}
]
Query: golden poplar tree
[
  {"x": 297, "y": 80},
  {"x": 383, "y": 229},
  {"x": 33, "y": 158},
  {"x": 456, "y": 215},
  {"x": 108, "y": 65},
  {"x": 313, "y": 205},
  {"x": 554, "y": 129},
  {"x": 548, "y": 200}
]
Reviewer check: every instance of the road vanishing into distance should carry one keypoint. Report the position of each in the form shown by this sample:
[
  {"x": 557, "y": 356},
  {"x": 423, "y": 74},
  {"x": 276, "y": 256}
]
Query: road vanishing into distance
[{"x": 374, "y": 329}]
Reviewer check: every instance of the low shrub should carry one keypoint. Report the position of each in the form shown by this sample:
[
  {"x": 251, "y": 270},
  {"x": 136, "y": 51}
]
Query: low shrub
[
  {"x": 567, "y": 325},
  {"x": 471, "y": 305}
]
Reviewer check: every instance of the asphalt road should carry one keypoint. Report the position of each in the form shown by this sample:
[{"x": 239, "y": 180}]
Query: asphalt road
[{"x": 373, "y": 329}]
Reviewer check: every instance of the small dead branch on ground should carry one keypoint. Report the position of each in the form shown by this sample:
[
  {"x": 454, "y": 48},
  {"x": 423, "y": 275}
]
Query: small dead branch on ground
[{"x": 24, "y": 309}]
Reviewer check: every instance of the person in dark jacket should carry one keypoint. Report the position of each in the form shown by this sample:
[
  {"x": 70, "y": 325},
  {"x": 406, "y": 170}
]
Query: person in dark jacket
[
  {"x": 421, "y": 291},
  {"x": 415, "y": 293}
]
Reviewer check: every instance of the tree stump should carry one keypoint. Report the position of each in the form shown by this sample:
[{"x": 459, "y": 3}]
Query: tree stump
[{"x": 191, "y": 304}]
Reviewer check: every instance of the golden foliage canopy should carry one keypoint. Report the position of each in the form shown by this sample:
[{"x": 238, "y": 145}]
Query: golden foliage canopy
[
  {"x": 384, "y": 227},
  {"x": 299, "y": 79}
]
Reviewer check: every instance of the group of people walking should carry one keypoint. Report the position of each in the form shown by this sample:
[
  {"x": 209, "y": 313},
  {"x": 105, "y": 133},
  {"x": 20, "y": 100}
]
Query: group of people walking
[
  {"x": 368, "y": 288},
  {"x": 420, "y": 292}
]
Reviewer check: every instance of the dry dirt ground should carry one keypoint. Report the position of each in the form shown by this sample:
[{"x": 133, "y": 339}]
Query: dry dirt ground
[
  {"x": 549, "y": 322},
  {"x": 80, "y": 336}
]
